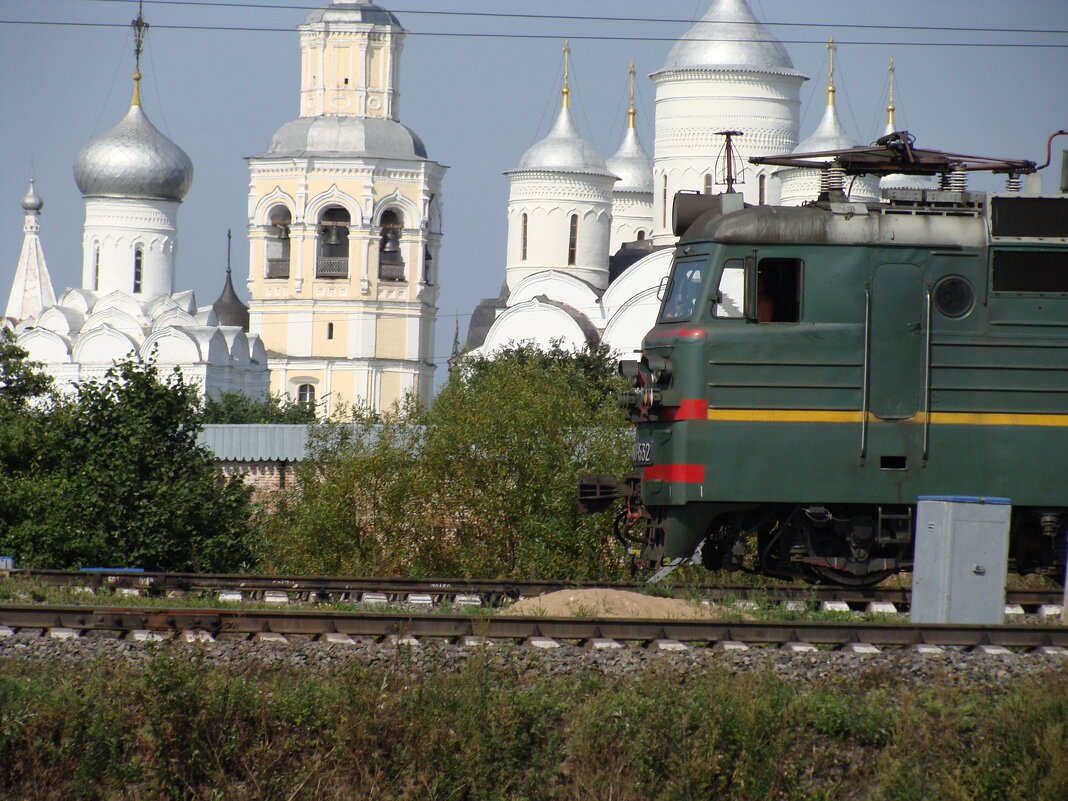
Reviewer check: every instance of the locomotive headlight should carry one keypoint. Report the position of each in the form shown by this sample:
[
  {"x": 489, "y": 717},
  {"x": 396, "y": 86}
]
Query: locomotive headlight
[
  {"x": 659, "y": 367},
  {"x": 631, "y": 370}
]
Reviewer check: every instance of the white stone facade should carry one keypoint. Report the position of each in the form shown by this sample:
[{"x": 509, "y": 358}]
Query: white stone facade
[
  {"x": 692, "y": 106},
  {"x": 547, "y": 211},
  {"x": 86, "y": 332},
  {"x": 130, "y": 245}
]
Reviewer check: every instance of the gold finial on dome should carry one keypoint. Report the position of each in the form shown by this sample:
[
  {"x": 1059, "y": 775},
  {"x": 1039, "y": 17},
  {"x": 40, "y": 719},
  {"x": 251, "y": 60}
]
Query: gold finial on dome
[
  {"x": 566, "y": 91},
  {"x": 631, "y": 112},
  {"x": 890, "y": 106},
  {"x": 140, "y": 27},
  {"x": 831, "y": 49}
]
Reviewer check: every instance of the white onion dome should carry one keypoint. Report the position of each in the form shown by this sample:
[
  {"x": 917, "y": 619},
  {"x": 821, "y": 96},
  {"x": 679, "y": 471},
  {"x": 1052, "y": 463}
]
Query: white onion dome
[
  {"x": 353, "y": 12},
  {"x": 632, "y": 165},
  {"x": 133, "y": 159},
  {"x": 729, "y": 37},
  {"x": 32, "y": 201},
  {"x": 564, "y": 150},
  {"x": 345, "y": 136}
]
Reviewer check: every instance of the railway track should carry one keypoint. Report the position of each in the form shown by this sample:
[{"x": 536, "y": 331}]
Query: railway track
[
  {"x": 476, "y": 592},
  {"x": 69, "y": 622}
]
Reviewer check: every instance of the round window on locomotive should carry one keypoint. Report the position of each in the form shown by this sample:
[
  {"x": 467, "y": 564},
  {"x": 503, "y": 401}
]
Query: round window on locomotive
[{"x": 953, "y": 296}]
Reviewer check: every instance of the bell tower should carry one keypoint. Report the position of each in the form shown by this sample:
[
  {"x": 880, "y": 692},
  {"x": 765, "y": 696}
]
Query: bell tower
[{"x": 345, "y": 224}]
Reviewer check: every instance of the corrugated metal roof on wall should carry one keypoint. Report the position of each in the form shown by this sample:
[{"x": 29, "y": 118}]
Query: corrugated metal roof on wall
[{"x": 256, "y": 443}]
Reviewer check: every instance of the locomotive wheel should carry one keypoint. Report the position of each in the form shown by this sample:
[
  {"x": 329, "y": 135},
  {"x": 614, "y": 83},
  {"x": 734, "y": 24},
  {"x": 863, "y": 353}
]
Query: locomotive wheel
[
  {"x": 828, "y": 575},
  {"x": 827, "y": 544}
]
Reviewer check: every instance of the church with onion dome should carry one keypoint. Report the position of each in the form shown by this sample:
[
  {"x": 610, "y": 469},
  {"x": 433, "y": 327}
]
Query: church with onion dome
[
  {"x": 591, "y": 240},
  {"x": 132, "y": 179},
  {"x": 345, "y": 221}
]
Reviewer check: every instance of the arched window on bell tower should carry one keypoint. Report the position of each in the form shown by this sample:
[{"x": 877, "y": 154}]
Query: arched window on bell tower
[
  {"x": 96, "y": 267},
  {"x": 390, "y": 260},
  {"x": 762, "y": 189},
  {"x": 138, "y": 267},
  {"x": 428, "y": 266},
  {"x": 523, "y": 223},
  {"x": 277, "y": 245},
  {"x": 708, "y": 183},
  {"x": 333, "y": 256}
]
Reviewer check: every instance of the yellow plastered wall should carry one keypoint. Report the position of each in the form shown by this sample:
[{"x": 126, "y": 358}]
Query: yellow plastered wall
[
  {"x": 392, "y": 338},
  {"x": 322, "y": 343},
  {"x": 391, "y": 389}
]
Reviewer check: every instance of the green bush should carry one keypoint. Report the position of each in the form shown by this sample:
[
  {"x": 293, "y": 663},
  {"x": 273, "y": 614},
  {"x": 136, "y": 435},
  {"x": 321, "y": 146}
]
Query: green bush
[
  {"x": 481, "y": 483},
  {"x": 113, "y": 476}
]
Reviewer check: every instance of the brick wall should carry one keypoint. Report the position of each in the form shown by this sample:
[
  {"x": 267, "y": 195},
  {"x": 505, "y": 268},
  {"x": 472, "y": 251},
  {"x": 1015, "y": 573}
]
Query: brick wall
[{"x": 265, "y": 478}]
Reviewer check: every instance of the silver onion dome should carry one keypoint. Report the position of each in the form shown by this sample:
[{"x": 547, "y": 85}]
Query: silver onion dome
[
  {"x": 133, "y": 159},
  {"x": 564, "y": 150},
  {"x": 345, "y": 136},
  {"x": 353, "y": 12},
  {"x": 632, "y": 165},
  {"x": 829, "y": 135},
  {"x": 32, "y": 201},
  {"x": 729, "y": 36}
]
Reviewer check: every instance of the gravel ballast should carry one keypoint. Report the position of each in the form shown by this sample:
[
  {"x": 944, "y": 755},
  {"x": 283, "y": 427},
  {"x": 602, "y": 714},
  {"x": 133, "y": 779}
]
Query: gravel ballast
[{"x": 959, "y": 668}]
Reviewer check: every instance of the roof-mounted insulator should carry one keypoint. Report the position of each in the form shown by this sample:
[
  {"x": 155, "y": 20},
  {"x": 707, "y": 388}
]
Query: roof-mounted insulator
[
  {"x": 1012, "y": 182},
  {"x": 956, "y": 180},
  {"x": 832, "y": 179}
]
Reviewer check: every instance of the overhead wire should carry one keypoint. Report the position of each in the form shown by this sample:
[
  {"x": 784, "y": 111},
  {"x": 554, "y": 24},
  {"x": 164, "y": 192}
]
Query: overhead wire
[
  {"x": 578, "y": 37},
  {"x": 590, "y": 18}
]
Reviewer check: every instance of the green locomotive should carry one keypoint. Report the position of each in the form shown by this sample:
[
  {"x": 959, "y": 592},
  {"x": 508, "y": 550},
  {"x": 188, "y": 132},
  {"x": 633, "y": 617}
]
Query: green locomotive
[{"x": 815, "y": 369}]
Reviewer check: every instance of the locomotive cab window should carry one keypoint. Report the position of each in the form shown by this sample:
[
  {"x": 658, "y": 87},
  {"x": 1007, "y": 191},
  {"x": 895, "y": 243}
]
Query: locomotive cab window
[
  {"x": 683, "y": 290},
  {"x": 729, "y": 300},
  {"x": 778, "y": 291}
]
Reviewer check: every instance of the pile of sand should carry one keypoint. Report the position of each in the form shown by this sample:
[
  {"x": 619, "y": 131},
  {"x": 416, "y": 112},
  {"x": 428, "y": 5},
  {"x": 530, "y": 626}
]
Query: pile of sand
[{"x": 616, "y": 603}]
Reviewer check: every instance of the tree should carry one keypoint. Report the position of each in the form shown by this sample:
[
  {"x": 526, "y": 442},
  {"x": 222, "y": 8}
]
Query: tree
[
  {"x": 237, "y": 407},
  {"x": 25, "y": 397},
  {"x": 117, "y": 479},
  {"x": 20, "y": 380},
  {"x": 481, "y": 483}
]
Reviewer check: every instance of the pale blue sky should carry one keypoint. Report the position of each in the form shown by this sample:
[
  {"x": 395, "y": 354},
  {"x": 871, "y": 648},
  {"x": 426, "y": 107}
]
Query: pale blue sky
[{"x": 479, "y": 103}]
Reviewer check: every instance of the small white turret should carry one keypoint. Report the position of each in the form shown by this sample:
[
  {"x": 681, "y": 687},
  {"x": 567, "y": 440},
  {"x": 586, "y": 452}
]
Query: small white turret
[
  {"x": 800, "y": 185},
  {"x": 901, "y": 180},
  {"x": 560, "y": 204},
  {"x": 632, "y": 196},
  {"x": 31, "y": 291}
]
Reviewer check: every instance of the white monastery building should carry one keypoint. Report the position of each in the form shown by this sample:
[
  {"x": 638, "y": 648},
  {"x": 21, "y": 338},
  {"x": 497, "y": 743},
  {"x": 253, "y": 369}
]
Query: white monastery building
[
  {"x": 590, "y": 241},
  {"x": 345, "y": 223},
  {"x": 132, "y": 179}
]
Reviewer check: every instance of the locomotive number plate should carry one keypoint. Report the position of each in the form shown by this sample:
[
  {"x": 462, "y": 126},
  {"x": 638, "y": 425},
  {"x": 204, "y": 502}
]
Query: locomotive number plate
[{"x": 643, "y": 452}]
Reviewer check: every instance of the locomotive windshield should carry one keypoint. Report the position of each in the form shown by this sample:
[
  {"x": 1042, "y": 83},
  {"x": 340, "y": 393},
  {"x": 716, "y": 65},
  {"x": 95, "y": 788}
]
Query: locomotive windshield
[{"x": 683, "y": 290}]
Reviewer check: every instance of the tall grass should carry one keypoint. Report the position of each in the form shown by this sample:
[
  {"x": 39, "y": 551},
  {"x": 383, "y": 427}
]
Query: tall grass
[{"x": 178, "y": 727}]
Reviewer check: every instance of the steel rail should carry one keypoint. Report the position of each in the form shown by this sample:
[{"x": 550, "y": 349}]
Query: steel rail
[
  {"x": 317, "y": 588},
  {"x": 242, "y": 623}
]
